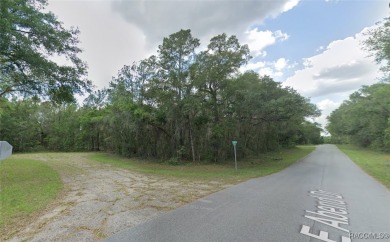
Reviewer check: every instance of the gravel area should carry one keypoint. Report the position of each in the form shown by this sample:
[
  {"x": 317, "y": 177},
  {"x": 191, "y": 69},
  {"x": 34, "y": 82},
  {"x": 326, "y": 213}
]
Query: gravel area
[{"x": 100, "y": 200}]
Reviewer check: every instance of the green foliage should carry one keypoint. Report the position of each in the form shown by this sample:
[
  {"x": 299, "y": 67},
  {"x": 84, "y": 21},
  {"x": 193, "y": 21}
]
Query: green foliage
[
  {"x": 378, "y": 43},
  {"x": 32, "y": 126},
  {"x": 29, "y": 39},
  {"x": 364, "y": 118},
  {"x": 310, "y": 133},
  {"x": 173, "y": 162},
  {"x": 19, "y": 124},
  {"x": 182, "y": 105},
  {"x": 26, "y": 187}
]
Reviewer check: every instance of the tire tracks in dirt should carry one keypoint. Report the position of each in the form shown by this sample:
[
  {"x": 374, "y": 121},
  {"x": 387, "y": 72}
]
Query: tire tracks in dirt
[{"x": 99, "y": 200}]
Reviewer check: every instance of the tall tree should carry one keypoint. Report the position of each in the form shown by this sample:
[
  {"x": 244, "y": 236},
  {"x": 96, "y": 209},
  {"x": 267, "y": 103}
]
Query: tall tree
[
  {"x": 211, "y": 72},
  {"x": 378, "y": 43},
  {"x": 176, "y": 55},
  {"x": 30, "y": 40}
]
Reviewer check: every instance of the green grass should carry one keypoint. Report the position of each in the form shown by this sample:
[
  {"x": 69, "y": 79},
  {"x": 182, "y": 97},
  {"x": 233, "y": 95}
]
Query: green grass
[
  {"x": 26, "y": 186},
  {"x": 249, "y": 168},
  {"x": 375, "y": 163}
]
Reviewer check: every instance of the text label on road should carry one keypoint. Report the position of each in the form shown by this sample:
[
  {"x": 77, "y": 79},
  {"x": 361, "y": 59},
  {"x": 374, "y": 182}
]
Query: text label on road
[{"x": 331, "y": 211}]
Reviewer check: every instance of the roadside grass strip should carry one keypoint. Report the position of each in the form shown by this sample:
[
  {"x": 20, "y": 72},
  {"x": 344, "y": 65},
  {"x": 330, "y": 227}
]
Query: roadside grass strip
[
  {"x": 26, "y": 186},
  {"x": 248, "y": 168},
  {"x": 376, "y": 164}
]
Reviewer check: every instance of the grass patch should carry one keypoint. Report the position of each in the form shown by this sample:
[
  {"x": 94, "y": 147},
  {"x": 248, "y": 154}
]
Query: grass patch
[
  {"x": 375, "y": 163},
  {"x": 26, "y": 186},
  {"x": 253, "y": 167}
]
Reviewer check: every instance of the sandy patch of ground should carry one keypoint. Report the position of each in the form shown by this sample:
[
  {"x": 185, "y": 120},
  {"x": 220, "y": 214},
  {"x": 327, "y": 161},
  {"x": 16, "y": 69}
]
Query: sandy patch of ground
[{"x": 100, "y": 200}]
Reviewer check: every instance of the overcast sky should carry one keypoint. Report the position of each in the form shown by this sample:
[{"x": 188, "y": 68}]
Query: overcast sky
[{"x": 313, "y": 46}]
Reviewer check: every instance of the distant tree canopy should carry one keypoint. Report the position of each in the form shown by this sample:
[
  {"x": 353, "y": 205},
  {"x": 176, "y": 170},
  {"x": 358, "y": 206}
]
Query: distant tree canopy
[
  {"x": 29, "y": 41},
  {"x": 364, "y": 119},
  {"x": 180, "y": 104},
  {"x": 310, "y": 133}
]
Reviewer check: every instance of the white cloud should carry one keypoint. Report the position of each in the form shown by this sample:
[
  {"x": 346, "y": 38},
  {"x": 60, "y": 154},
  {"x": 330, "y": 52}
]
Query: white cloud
[
  {"x": 255, "y": 66},
  {"x": 258, "y": 40},
  {"x": 321, "y": 48},
  {"x": 274, "y": 69},
  {"x": 280, "y": 35},
  {"x": 290, "y": 5},
  {"x": 326, "y": 106},
  {"x": 333, "y": 74},
  {"x": 117, "y": 32},
  {"x": 158, "y": 19},
  {"x": 342, "y": 67},
  {"x": 267, "y": 71},
  {"x": 280, "y": 64},
  {"x": 108, "y": 42}
]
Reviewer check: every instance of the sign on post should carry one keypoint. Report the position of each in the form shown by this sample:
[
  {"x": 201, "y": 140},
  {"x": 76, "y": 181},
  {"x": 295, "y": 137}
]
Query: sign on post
[
  {"x": 5, "y": 150},
  {"x": 234, "y": 142}
]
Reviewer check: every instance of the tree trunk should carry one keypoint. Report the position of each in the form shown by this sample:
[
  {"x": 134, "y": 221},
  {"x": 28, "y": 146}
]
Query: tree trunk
[{"x": 192, "y": 142}]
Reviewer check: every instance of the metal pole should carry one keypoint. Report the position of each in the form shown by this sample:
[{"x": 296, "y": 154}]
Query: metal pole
[{"x": 235, "y": 157}]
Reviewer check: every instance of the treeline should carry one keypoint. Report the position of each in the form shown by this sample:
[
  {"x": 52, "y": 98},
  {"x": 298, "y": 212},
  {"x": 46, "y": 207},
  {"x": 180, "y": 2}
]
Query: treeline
[
  {"x": 364, "y": 119},
  {"x": 181, "y": 104}
]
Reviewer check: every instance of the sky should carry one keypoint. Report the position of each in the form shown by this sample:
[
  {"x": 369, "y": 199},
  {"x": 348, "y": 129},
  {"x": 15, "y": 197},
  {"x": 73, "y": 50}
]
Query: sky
[{"x": 313, "y": 46}]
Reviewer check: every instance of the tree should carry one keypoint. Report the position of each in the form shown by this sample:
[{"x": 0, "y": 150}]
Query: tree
[
  {"x": 364, "y": 118},
  {"x": 19, "y": 124},
  {"x": 265, "y": 115},
  {"x": 310, "y": 133},
  {"x": 180, "y": 105},
  {"x": 211, "y": 73},
  {"x": 176, "y": 55},
  {"x": 30, "y": 40},
  {"x": 378, "y": 43}
]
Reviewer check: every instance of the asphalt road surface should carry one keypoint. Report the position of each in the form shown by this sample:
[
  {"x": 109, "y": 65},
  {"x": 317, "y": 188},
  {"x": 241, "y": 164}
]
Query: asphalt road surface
[{"x": 324, "y": 197}]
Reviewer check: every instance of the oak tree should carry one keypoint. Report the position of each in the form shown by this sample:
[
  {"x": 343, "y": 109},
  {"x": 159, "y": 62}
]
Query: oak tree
[{"x": 30, "y": 41}]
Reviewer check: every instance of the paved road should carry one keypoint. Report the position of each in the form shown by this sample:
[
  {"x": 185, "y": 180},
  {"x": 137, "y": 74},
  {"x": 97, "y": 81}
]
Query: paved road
[{"x": 324, "y": 197}]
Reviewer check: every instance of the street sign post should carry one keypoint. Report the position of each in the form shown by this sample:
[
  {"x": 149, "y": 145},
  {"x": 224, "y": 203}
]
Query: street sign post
[
  {"x": 234, "y": 142},
  {"x": 5, "y": 150}
]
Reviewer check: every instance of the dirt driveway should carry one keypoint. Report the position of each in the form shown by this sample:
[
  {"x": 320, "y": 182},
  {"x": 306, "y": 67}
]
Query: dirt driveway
[{"x": 99, "y": 200}]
